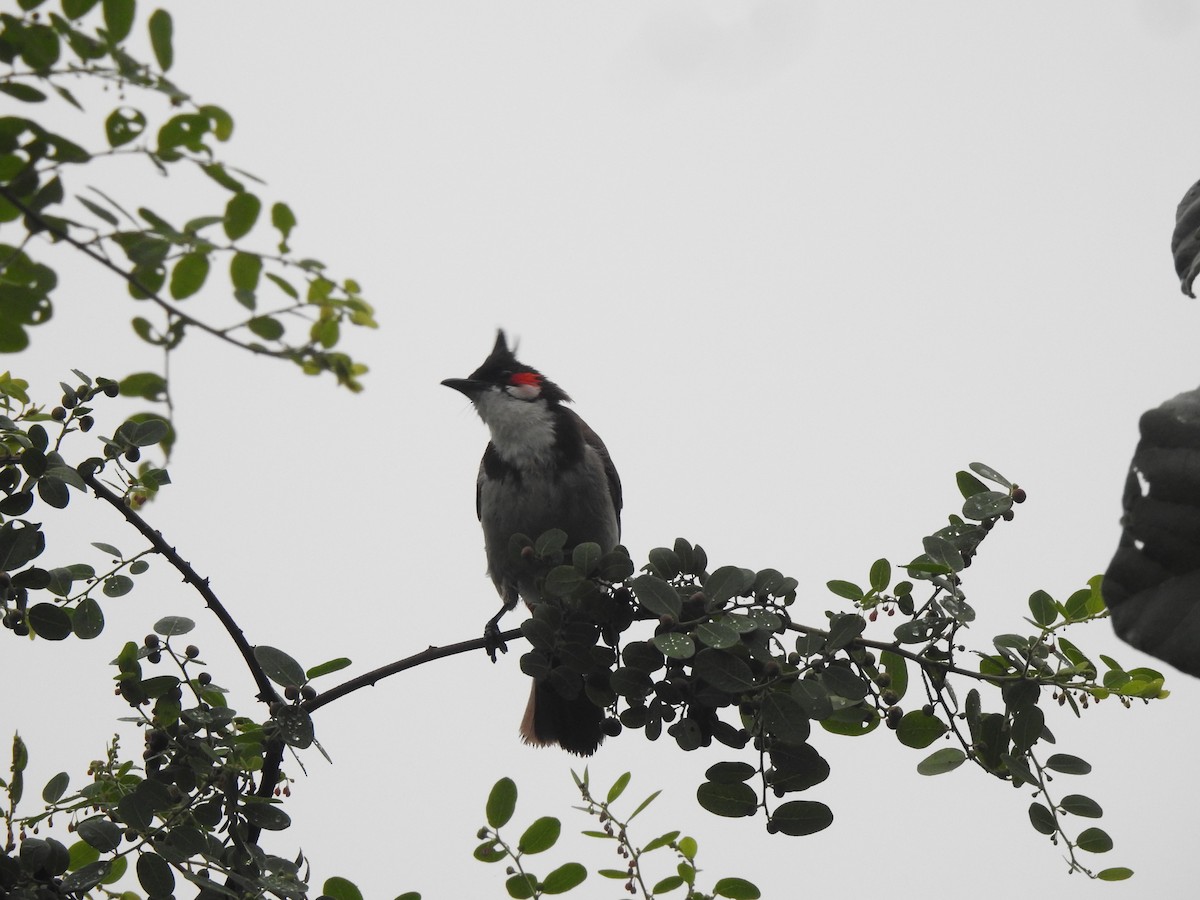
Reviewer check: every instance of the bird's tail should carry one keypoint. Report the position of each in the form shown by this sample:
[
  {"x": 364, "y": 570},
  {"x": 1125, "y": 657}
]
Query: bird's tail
[{"x": 574, "y": 723}]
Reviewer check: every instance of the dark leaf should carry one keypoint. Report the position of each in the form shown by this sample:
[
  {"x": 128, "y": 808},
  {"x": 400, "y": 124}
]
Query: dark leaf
[
  {"x": 279, "y": 667},
  {"x": 800, "y": 817},
  {"x": 723, "y": 799},
  {"x": 1094, "y": 840},
  {"x": 918, "y": 730},
  {"x": 1041, "y": 818},
  {"x": 49, "y": 622}
]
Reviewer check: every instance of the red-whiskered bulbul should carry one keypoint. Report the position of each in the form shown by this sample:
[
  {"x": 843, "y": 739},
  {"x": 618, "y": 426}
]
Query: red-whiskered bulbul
[{"x": 544, "y": 468}]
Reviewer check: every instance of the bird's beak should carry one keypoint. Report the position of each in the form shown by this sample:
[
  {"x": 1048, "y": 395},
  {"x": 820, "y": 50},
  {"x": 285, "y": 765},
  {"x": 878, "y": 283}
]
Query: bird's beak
[{"x": 465, "y": 386}]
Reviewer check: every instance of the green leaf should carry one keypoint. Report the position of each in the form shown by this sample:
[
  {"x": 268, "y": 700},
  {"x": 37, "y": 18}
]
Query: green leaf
[
  {"x": 1026, "y": 728},
  {"x": 100, "y": 833},
  {"x": 124, "y": 124},
  {"x": 1117, "y": 873},
  {"x": 279, "y": 667},
  {"x": 501, "y": 802},
  {"x": 341, "y": 889},
  {"x": 618, "y": 787},
  {"x": 881, "y": 575},
  {"x": 53, "y": 492},
  {"x": 489, "y": 852},
  {"x": 23, "y": 92},
  {"x": 941, "y": 761},
  {"x": 717, "y": 635},
  {"x": 540, "y": 836},
  {"x": 171, "y": 626},
  {"x": 245, "y": 270},
  {"x": 160, "y": 41},
  {"x": 675, "y": 645},
  {"x": 241, "y": 212},
  {"x": 56, "y": 787},
  {"x": 843, "y": 630},
  {"x": 521, "y": 886},
  {"x": 1041, "y": 818},
  {"x": 1094, "y": 840},
  {"x": 562, "y": 581},
  {"x": 284, "y": 221},
  {"x": 968, "y": 484},
  {"x": 49, "y": 622},
  {"x": 189, "y": 274},
  {"x": 723, "y": 671},
  {"x": 730, "y": 772},
  {"x": 847, "y": 590},
  {"x": 1043, "y": 608},
  {"x": 730, "y": 800},
  {"x": 657, "y": 596},
  {"x": 117, "y": 585},
  {"x": 736, "y": 889},
  {"x": 268, "y": 816},
  {"x": 1068, "y": 765},
  {"x": 88, "y": 621},
  {"x": 918, "y": 730},
  {"x": 562, "y": 879},
  {"x": 118, "y": 19},
  {"x": 725, "y": 583},
  {"x": 783, "y": 717},
  {"x": 147, "y": 385},
  {"x": 326, "y": 668},
  {"x": 155, "y": 875},
  {"x": 800, "y": 817},
  {"x": 990, "y": 474},
  {"x": 1079, "y": 805},
  {"x": 86, "y": 878}
]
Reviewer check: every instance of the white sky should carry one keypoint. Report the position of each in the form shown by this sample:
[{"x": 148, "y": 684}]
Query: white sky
[{"x": 796, "y": 263}]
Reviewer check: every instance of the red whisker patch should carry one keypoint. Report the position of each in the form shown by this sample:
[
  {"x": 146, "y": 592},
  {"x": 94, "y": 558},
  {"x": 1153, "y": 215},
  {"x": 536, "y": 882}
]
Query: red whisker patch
[{"x": 525, "y": 379}]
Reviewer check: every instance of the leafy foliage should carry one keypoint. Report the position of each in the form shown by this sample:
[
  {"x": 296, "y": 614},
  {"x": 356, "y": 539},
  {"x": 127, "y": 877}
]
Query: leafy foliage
[
  {"x": 544, "y": 832},
  {"x": 727, "y": 663},
  {"x": 283, "y": 306}
]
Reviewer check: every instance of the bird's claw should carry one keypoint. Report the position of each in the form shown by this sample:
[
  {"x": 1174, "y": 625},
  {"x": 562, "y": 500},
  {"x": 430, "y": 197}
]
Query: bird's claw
[{"x": 492, "y": 642}]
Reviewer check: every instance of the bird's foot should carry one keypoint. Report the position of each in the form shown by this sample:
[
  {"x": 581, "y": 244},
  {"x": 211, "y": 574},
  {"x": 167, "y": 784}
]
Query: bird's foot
[{"x": 492, "y": 642}]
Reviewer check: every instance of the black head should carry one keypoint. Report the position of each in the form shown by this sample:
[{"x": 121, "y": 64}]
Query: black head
[{"x": 503, "y": 371}]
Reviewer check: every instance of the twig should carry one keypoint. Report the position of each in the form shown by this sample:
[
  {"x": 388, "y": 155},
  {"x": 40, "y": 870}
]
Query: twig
[{"x": 63, "y": 234}]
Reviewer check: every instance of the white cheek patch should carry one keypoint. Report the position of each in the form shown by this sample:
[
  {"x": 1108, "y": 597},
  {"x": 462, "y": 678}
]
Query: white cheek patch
[{"x": 524, "y": 391}]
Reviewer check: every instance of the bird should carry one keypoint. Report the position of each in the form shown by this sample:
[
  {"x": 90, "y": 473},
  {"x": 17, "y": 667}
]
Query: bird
[{"x": 544, "y": 468}]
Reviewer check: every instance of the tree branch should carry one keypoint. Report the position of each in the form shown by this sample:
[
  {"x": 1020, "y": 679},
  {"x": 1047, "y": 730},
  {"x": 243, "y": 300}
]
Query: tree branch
[
  {"x": 266, "y": 691},
  {"x": 369, "y": 679}
]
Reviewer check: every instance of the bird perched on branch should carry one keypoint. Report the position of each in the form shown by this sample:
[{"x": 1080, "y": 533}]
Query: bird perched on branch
[{"x": 544, "y": 468}]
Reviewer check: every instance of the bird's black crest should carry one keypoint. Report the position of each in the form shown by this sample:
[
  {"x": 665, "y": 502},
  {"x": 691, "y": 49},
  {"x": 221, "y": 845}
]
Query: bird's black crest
[{"x": 502, "y": 363}]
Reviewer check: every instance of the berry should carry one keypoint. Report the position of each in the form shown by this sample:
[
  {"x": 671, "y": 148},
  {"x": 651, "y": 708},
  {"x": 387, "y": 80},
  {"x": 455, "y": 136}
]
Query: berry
[
  {"x": 111, "y": 389},
  {"x": 133, "y": 454},
  {"x": 192, "y": 651},
  {"x": 1008, "y": 515},
  {"x": 308, "y": 692},
  {"x": 204, "y": 678},
  {"x": 151, "y": 641},
  {"x": 611, "y": 727},
  {"x": 1018, "y": 494},
  {"x": 154, "y": 657},
  {"x": 58, "y": 414},
  {"x": 86, "y": 423}
]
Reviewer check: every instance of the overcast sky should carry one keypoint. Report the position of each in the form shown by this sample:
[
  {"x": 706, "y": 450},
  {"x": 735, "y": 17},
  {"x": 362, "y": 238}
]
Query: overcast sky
[{"x": 797, "y": 264}]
